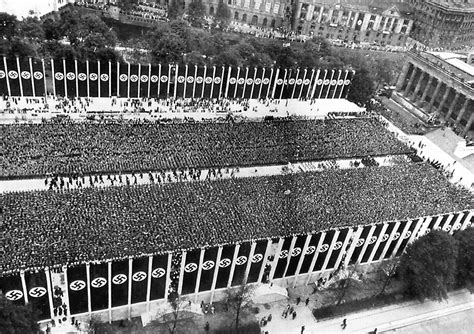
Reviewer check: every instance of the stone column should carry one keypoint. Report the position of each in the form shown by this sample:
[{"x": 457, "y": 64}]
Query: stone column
[
  {"x": 468, "y": 125},
  {"x": 452, "y": 106},
  {"x": 403, "y": 75},
  {"x": 443, "y": 101},
  {"x": 433, "y": 97},
  {"x": 427, "y": 88},
  {"x": 410, "y": 82},
  {"x": 418, "y": 86},
  {"x": 463, "y": 110}
]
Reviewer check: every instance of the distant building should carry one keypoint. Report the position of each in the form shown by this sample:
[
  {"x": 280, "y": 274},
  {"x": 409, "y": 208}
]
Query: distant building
[
  {"x": 447, "y": 23},
  {"x": 32, "y": 8},
  {"x": 439, "y": 83}
]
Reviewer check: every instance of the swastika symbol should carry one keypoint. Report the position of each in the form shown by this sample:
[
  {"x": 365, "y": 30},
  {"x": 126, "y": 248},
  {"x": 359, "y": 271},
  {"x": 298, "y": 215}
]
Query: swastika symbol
[
  {"x": 13, "y": 74},
  {"x": 37, "y": 292},
  {"x": 306, "y": 81},
  {"x": 447, "y": 228},
  {"x": 407, "y": 235},
  {"x": 208, "y": 265},
  {"x": 134, "y": 78},
  {"x": 139, "y": 276},
  {"x": 104, "y": 77},
  {"x": 144, "y": 78},
  {"x": 258, "y": 81},
  {"x": 340, "y": 82},
  {"x": 249, "y": 81},
  {"x": 241, "y": 260},
  {"x": 123, "y": 77},
  {"x": 225, "y": 263},
  {"x": 98, "y": 282},
  {"x": 70, "y": 76},
  {"x": 190, "y": 79},
  {"x": 2, "y": 74},
  {"x": 59, "y": 76},
  {"x": 190, "y": 267},
  {"x": 208, "y": 80},
  {"x": 457, "y": 226},
  {"x": 25, "y": 75},
  {"x": 181, "y": 79},
  {"x": 266, "y": 81},
  {"x": 217, "y": 80},
  {"x": 326, "y": 82},
  {"x": 154, "y": 78},
  {"x": 279, "y": 81},
  {"x": 14, "y": 295},
  {"x": 333, "y": 82},
  {"x": 324, "y": 248},
  {"x": 396, "y": 236},
  {"x": 337, "y": 245},
  {"x": 310, "y": 250},
  {"x": 320, "y": 81},
  {"x": 119, "y": 279},
  {"x": 93, "y": 76},
  {"x": 199, "y": 80},
  {"x": 296, "y": 251},
  {"x": 232, "y": 81},
  {"x": 82, "y": 76},
  {"x": 385, "y": 237},
  {"x": 346, "y": 82},
  {"x": 299, "y": 81},
  {"x": 77, "y": 285},
  {"x": 158, "y": 272},
  {"x": 283, "y": 254},
  {"x": 257, "y": 258},
  {"x": 373, "y": 239},
  {"x": 241, "y": 81},
  {"x": 291, "y": 81}
]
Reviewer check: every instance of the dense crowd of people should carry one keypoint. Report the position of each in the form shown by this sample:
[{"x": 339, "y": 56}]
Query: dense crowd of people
[
  {"x": 75, "y": 148},
  {"x": 45, "y": 228}
]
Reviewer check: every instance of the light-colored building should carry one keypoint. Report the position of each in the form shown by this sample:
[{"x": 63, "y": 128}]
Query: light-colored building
[{"x": 32, "y": 8}]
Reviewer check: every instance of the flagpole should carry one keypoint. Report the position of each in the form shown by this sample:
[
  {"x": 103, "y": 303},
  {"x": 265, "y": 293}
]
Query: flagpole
[
  {"x": 148, "y": 284},
  {"x": 88, "y": 279},
  {"x": 50, "y": 293},
  {"x": 275, "y": 82},
  {"x": 6, "y": 75},
  {"x": 322, "y": 85},
  {"x": 294, "y": 86},
  {"x": 149, "y": 80},
  {"x": 194, "y": 83},
  {"x": 176, "y": 72},
  {"x": 169, "y": 82},
  {"x": 222, "y": 82},
  {"x": 216, "y": 272},
  {"x": 227, "y": 84},
  {"x": 109, "y": 287},
  {"x": 19, "y": 75},
  {"x": 130, "y": 264},
  {"x": 283, "y": 84},
  {"x": 128, "y": 80},
  {"x": 330, "y": 83},
  {"x": 88, "y": 84},
  {"x": 315, "y": 84},
  {"x": 44, "y": 77},
  {"x": 204, "y": 81},
  {"x": 139, "y": 78},
  {"x": 99, "y": 79},
  {"x": 65, "y": 77},
  {"x": 118, "y": 79},
  {"x": 168, "y": 275},
  {"x": 185, "y": 80},
  {"x": 23, "y": 285},
  {"x": 261, "y": 84},
  {"x": 32, "y": 79},
  {"x": 213, "y": 76},
  {"x": 310, "y": 82},
  {"x": 343, "y": 84},
  {"x": 54, "y": 77},
  {"x": 77, "y": 80},
  {"x": 335, "y": 88},
  {"x": 110, "y": 79},
  {"x": 245, "y": 81},
  {"x": 269, "y": 83},
  {"x": 159, "y": 81},
  {"x": 236, "y": 82},
  {"x": 302, "y": 83}
]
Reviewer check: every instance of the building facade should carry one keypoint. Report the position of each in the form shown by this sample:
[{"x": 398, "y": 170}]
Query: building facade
[
  {"x": 447, "y": 24},
  {"x": 439, "y": 84},
  {"x": 116, "y": 288}
]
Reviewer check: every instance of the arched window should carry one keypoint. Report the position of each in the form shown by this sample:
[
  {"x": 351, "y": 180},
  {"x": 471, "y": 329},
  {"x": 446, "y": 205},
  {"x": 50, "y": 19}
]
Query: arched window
[
  {"x": 264, "y": 22},
  {"x": 236, "y": 15},
  {"x": 244, "y": 18},
  {"x": 211, "y": 10},
  {"x": 272, "y": 24},
  {"x": 254, "y": 20}
]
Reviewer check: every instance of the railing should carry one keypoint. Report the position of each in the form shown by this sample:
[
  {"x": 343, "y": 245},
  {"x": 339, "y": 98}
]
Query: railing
[{"x": 426, "y": 61}]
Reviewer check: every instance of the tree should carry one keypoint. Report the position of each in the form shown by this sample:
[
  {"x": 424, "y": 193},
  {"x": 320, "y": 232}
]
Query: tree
[
  {"x": 465, "y": 262},
  {"x": 239, "y": 299},
  {"x": 223, "y": 14},
  {"x": 428, "y": 267},
  {"x": 171, "y": 319},
  {"x": 342, "y": 281},
  {"x": 169, "y": 49},
  {"x": 362, "y": 87},
  {"x": 51, "y": 29},
  {"x": 196, "y": 13},
  {"x": 8, "y": 24},
  {"x": 385, "y": 272},
  {"x": 173, "y": 9},
  {"x": 31, "y": 28},
  {"x": 17, "y": 318}
]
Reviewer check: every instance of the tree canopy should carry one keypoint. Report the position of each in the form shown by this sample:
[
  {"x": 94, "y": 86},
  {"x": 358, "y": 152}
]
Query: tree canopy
[
  {"x": 465, "y": 262},
  {"x": 428, "y": 267},
  {"x": 17, "y": 318}
]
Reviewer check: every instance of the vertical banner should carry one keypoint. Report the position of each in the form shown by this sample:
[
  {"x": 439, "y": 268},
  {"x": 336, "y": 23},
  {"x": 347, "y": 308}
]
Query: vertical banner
[
  {"x": 57, "y": 67},
  {"x": 190, "y": 76},
  {"x": 279, "y": 83},
  {"x": 295, "y": 255},
  {"x": 394, "y": 241},
  {"x": 12, "y": 289},
  {"x": 282, "y": 258},
  {"x": 93, "y": 79},
  {"x": 360, "y": 244},
  {"x": 25, "y": 75},
  {"x": 13, "y": 76},
  {"x": 198, "y": 87},
  {"x": 257, "y": 260},
  {"x": 320, "y": 85},
  {"x": 267, "y": 84},
  {"x": 340, "y": 84},
  {"x": 333, "y": 84},
  {"x": 158, "y": 276},
  {"x": 82, "y": 78},
  {"x": 208, "y": 82},
  {"x": 326, "y": 84},
  {"x": 123, "y": 78},
  {"x": 144, "y": 70},
  {"x": 208, "y": 268},
  {"x": 113, "y": 78},
  {"x": 232, "y": 82},
  {"x": 457, "y": 226},
  {"x": 293, "y": 83},
  {"x": 337, "y": 248},
  {"x": 216, "y": 88},
  {"x": 241, "y": 78},
  {"x": 154, "y": 81},
  {"x": 77, "y": 289},
  {"x": 180, "y": 81},
  {"x": 225, "y": 265},
  {"x": 249, "y": 82},
  {"x": 70, "y": 71},
  {"x": 371, "y": 243},
  {"x": 384, "y": 240},
  {"x": 119, "y": 282},
  {"x": 190, "y": 271},
  {"x": 257, "y": 83},
  {"x": 134, "y": 78},
  {"x": 4, "y": 86},
  {"x": 347, "y": 84},
  {"x": 139, "y": 279},
  {"x": 104, "y": 79},
  {"x": 323, "y": 250},
  {"x": 241, "y": 263},
  {"x": 406, "y": 237},
  {"x": 307, "y": 83},
  {"x": 99, "y": 288},
  {"x": 311, "y": 251},
  {"x": 163, "y": 84},
  {"x": 36, "y": 285}
]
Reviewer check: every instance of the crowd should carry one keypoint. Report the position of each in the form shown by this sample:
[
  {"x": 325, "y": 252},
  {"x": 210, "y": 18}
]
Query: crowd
[
  {"x": 46, "y": 228},
  {"x": 75, "y": 148}
]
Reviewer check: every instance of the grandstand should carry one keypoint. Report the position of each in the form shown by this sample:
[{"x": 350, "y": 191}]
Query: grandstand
[{"x": 338, "y": 190}]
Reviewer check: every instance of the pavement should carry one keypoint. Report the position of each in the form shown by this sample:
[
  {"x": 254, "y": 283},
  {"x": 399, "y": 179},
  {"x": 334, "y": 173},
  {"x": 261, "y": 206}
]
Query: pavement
[{"x": 386, "y": 319}]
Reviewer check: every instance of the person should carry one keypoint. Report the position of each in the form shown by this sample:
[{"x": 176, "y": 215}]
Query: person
[
  {"x": 302, "y": 329},
  {"x": 206, "y": 327},
  {"x": 306, "y": 302},
  {"x": 344, "y": 324},
  {"x": 294, "y": 315},
  {"x": 375, "y": 331},
  {"x": 298, "y": 300},
  {"x": 269, "y": 317}
]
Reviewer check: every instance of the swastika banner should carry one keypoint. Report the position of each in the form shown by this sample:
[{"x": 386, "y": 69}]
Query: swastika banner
[
  {"x": 71, "y": 78},
  {"x": 134, "y": 78},
  {"x": 280, "y": 78},
  {"x": 104, "y": 74},
  {"x": 57, "y": 70},
  {"x": 207, "y": 269},
  {"x": 307, "y": 83},
  {"x": 394, "y": 241},
  {"x": 347, "y": 84},
  {"x": 12, "y": 289},
  {"x": 241, "y": 79},
  {"x": 283, "y": 257},
  {"x": 208, "y": 82},
  {"x": 311, "y": 251},
  {"x": 123, "y": 80},
  {"x": 216, "y": 90},
  {"x": 360, "y": 244},
  {"x": 25, "y": 76},
  {"x": 158, "y": 276},
  {"x": 241, "y": 263},
  {"x": 155, "y": 80},
  {"x": 267, "y": 83},
  {"x": 257, "y": 260},
  {"x": 372, "y": 242},
  {"x": 139, "y": 279},
  {"x": 144, "y": 80},
  {"x": 13, "y": 76},
  {"x": 36, "y": 286},
  {"x": 383, "y": 242},
  {"x": 190, "y": 271},
  {"x": 82, "y": 79},
  {"x": 120, "y": 283},
  {"x": 295, "y": 255},
  {"x": 337, "y": 248},
  {"x": 324, "y": 250},
  {"x": 225, "y": 265},
  {"x": 93, "y": 78},
  {"x": 406, "y": 237},
  {"x": 114, "y": 79},
  {"x": 77, "y": 289},
  {"x": 4, "y": 88},
  {"x": 249, "y": 82},
  {"x": 232, "y": 76},
  {"x": 99, "y": 286}
]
